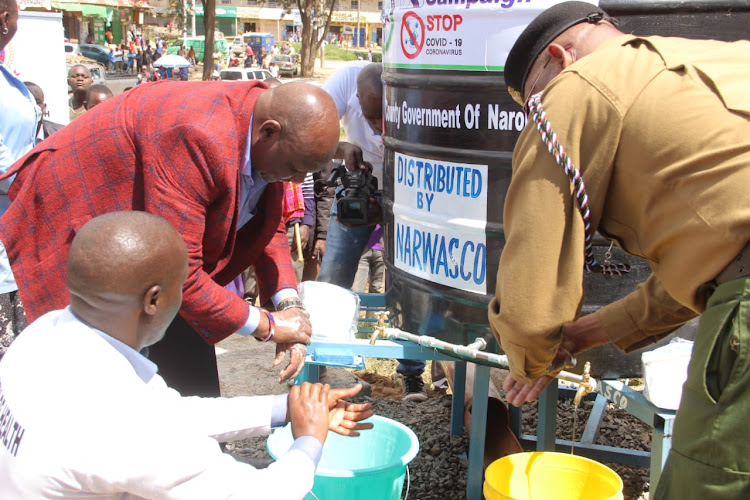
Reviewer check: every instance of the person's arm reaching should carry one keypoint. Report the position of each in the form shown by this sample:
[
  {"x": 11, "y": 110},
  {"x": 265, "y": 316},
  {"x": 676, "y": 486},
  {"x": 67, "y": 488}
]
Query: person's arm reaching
[
  {"x": 539, "y": 287},
  {"x": 183, "y": 196},
  {"x": 540, "y": 277},
  {"x": 644, "y": 316}
]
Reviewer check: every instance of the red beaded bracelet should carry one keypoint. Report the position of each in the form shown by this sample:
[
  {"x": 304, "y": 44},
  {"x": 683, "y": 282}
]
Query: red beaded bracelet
[{"x": 271, "y": 324}]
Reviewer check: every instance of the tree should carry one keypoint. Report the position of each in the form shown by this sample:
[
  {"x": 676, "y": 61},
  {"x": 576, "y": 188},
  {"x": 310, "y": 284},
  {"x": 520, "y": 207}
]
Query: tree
[
  {"x": 209, "y": 23},
  {"x": 316, "y": 17}
]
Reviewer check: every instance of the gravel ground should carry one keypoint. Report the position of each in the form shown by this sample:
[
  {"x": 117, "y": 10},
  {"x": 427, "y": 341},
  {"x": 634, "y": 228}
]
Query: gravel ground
[{"x": 439, "y": 470}]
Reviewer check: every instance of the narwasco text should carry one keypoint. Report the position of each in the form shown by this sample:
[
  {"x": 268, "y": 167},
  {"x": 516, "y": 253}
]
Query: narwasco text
[{"x": 443, "y": 258}]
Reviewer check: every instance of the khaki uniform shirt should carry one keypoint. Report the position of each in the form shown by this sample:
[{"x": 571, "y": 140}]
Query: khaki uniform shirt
[{"x": 660, "y": 129}]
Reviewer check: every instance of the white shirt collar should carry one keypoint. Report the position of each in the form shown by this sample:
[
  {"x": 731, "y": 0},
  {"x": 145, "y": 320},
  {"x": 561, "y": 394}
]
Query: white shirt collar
[{"x": 144, "y": 367}]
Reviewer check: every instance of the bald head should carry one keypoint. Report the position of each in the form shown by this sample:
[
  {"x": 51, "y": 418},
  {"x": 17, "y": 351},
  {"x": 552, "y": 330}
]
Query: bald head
[
  {"x": 122, "y": 252},
  {"x": 570, "y": 46},
  {"x": 272, "y": 82},
  {"x": 119, "y": 265},
  {"x": 295, "y": 131},
  {"x": 96, "y": 95},
  {"x": 369, "y": 81},
  {"x": 370, "y": 93}
]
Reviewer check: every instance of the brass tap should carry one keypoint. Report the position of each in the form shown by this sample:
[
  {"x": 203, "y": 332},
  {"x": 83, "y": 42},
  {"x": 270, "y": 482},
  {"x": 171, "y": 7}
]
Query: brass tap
[
  {"x": 379, "y": 327},
  {"x": 585, "y": 386}
]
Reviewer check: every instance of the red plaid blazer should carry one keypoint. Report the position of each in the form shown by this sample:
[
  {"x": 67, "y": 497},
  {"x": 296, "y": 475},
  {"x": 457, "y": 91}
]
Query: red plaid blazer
[{"x": 174, "y": 149}]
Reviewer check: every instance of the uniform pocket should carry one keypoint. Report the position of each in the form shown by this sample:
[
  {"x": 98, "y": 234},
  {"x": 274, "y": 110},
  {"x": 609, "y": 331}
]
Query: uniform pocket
[{"x": 721, "y": 361}]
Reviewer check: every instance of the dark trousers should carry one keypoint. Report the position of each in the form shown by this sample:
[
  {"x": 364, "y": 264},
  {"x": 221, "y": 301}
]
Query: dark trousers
[{"x": 186, "y": 362}]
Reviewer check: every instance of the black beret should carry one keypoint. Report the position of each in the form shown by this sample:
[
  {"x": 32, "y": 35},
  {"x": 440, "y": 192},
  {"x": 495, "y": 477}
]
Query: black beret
[{"x": 538, "y": 35}]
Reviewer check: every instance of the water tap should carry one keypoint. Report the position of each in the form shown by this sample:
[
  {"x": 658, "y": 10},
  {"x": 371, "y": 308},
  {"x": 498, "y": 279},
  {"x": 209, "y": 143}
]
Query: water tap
[
  {"x": 379, "y": 327},
  {"x": 585, "y": 386}
]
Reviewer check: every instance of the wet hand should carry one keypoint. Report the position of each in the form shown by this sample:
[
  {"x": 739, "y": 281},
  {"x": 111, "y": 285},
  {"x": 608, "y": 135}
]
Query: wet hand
[
  {"x": 297, "y": 353},
  {"x": 572, "y": 342},
  {"x": 343, "y": 416},
  {"x": 292, "y": 326},
  {"x": 307, "y": 407},
  {"x": 517, "y": 392}
]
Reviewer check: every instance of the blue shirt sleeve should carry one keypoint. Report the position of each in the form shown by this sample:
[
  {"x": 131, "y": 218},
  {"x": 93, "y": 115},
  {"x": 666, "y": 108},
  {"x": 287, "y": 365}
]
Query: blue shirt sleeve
[{"x": 310, "y": 446}]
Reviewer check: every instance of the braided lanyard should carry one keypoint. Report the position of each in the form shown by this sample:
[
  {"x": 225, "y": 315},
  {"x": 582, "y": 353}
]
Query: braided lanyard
[{"x": 549, "y": 137}]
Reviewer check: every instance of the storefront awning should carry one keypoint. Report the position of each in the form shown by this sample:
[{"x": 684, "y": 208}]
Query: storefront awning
[
  {"x": 38, "y": 4},
  {"x": 350, "y": 17},
  {"x": 96, "y": 11},
  {"x": 76, "y": 6},
  {"x": 86, "y": 10},
  {"x": 264, "y": 13},
  {"x": 70, "y": 7},
  {"x": 220, "y": 11}
]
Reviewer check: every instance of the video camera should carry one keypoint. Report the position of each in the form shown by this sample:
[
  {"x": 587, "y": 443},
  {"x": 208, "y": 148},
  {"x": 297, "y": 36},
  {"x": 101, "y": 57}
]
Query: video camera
[{"x": 352, "y": 202}]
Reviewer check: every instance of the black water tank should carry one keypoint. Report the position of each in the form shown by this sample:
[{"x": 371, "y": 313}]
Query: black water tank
[{"x": 450, "y": 128}]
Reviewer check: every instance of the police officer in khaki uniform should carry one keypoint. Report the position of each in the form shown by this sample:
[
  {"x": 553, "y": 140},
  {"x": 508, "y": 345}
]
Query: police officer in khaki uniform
[{"x": 659, "y": 131}]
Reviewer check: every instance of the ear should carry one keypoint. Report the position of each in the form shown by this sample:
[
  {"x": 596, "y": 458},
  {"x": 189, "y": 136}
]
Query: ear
[
  {"x": 269, "y": 128},
  {"x": 151, "y": 300},
  {"x": 561, "y": 55}
]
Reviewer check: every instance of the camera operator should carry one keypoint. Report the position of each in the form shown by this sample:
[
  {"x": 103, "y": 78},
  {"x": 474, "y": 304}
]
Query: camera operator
[{"x": 357, "y": 90}]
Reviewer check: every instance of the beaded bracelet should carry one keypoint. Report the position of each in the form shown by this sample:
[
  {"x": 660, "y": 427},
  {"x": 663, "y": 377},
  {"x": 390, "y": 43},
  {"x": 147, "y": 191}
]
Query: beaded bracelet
[{"x": 271, "y": 325}]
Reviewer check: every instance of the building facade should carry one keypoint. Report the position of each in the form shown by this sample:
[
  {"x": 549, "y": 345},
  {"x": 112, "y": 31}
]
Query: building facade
[
  {"x": 234, "y": 17},
  {"x": 87, "y": 21}
]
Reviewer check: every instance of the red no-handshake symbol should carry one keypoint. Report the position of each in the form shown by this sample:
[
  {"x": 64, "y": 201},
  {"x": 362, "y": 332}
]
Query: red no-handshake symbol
[{"x": 414, "y": 32}]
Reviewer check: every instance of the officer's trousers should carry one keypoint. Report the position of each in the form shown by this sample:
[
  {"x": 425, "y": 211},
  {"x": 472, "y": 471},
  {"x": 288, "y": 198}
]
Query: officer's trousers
[{"x": 710, "y": 455}]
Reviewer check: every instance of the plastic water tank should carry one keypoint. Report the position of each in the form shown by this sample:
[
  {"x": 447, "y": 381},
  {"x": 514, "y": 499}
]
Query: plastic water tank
[{"x": 450, "y": 129}]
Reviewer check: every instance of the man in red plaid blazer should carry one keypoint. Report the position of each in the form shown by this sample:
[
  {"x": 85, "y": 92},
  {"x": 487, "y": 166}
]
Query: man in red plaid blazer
[{"x": 186, "y": 152}]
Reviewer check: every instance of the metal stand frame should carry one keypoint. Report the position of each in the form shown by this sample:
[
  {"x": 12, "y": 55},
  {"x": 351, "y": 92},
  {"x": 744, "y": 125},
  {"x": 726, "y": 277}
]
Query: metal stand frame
[
  {"x": 662, "y": 422},
  {"x": 408, "y": 350},
  {"x": 632, "y": 401}
]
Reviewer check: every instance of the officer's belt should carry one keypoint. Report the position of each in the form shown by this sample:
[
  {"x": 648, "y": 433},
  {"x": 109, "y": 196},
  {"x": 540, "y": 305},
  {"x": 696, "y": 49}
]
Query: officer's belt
[{"x": 739, "y": 267}]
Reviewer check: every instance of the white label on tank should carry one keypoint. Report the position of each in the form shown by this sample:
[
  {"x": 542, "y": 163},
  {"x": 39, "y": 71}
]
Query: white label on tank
[
  {"x": 440, "y": 215},
  {"x": 469, "y": 35}
]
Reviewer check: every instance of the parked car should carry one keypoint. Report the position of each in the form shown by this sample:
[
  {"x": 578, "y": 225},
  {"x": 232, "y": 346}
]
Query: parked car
[
  {"x": 96, "y": 52},
  {"x": 287, "y": 65},
  {"x": 238, "y": 46},
  {"x": 71, "y": 49},
  {"x": 244, "y": 74}
]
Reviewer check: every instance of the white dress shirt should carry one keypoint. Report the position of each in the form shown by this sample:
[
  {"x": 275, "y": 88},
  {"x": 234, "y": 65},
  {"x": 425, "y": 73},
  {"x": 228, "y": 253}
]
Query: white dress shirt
[{"x": 83, "y": 415}]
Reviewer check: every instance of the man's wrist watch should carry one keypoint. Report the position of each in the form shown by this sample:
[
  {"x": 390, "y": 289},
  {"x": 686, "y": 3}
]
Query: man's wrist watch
[
  {"x": 271, "y": 324},
  {"x": 289, "y": 303}
]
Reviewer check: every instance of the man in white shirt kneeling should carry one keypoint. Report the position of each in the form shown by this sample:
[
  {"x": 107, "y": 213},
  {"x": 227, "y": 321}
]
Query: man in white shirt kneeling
[{"x": 84, "y": 414}]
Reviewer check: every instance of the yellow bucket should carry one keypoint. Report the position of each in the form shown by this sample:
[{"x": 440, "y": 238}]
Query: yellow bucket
[{"x": 548, "y": 475}]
